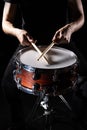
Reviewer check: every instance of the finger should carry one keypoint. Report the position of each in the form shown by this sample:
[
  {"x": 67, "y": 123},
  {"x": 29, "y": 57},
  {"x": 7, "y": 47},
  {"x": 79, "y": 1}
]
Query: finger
[{"x": 59, "y": 35}]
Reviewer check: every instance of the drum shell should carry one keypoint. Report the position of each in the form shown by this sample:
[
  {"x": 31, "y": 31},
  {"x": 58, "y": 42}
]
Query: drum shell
[{"x": 35, "y": 79}]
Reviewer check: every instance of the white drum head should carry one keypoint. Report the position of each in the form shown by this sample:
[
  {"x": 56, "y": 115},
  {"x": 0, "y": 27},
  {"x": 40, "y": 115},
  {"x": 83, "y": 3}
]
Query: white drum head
[{"x": 58, "y": 58}]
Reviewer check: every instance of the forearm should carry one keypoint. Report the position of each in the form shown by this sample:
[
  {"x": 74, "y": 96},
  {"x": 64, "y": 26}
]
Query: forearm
[
  {"x": 9, "y": 29},
  {"x": 77, "y": 24},
  {"x": 22, "y": 35},
  {"x": 76, "y": 15}
]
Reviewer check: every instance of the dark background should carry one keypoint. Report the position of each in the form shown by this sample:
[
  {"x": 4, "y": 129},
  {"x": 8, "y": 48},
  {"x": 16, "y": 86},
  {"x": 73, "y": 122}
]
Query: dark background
[{"x": 8, "y": 45}]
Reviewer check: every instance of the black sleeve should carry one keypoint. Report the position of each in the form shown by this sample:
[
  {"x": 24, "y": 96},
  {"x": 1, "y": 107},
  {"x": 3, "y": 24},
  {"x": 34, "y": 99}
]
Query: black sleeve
[{"x": 11, "y": 1}]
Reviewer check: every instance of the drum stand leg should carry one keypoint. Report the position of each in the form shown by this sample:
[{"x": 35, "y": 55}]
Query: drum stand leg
[
  {"x": 65, "y": 102},
  {"x": 45, "y": 102},
  {"x": 47, "y": 112},
  {"x": 34, "y": 109}
]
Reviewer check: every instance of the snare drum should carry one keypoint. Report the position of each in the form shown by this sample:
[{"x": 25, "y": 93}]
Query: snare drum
[{"x": 34, "y": 77}]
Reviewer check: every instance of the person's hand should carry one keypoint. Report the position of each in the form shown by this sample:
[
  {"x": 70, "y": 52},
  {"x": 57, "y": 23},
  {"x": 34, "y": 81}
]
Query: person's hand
[
  {"x": 24, "y": 38},
  {"x": 63, "y": 35}
]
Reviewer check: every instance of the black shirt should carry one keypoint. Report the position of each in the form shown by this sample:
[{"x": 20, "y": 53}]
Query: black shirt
[{"x": 41, "y": 18}]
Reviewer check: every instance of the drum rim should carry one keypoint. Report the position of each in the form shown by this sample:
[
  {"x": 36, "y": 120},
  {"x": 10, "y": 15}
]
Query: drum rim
[{"x": 27, "y": 67}]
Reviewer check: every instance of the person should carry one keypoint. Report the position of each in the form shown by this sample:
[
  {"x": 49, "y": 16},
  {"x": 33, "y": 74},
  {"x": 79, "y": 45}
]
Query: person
[{"x": 42, "y": 23}]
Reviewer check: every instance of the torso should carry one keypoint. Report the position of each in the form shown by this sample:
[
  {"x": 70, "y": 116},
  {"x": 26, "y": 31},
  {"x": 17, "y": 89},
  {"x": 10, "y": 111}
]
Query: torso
[{"x": 42, "y": 20}]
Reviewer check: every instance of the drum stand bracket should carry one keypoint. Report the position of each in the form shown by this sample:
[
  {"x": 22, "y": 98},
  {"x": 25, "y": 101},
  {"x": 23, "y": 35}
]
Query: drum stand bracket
[{"x": 44, "y": 101}]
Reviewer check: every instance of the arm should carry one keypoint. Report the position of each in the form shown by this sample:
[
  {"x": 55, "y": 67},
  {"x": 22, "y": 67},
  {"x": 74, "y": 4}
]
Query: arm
[
  {"x": 8, "y": 25},
  {"x": 77, "y": 14},
  {"x": 63, "y": 35}
]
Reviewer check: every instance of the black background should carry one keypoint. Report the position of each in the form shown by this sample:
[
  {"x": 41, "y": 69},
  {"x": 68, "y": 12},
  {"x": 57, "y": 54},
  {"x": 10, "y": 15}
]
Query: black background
[{"x": 8, "y": 45}]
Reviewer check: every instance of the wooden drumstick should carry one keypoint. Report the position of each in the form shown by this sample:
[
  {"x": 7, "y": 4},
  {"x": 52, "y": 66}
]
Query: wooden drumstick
[
  {"x": 46, "y": 50},
  {"x": 38, "y": 50}
]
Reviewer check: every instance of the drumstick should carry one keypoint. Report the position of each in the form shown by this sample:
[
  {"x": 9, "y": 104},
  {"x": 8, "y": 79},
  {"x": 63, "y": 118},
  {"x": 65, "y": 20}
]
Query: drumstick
[
  {"x": 46, "y": 50},
  {"x": 37, "y": 49}
]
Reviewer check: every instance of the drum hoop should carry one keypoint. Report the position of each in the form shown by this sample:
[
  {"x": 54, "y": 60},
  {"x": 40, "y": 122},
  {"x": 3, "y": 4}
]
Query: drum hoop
[{"x": 32, "y": 69}]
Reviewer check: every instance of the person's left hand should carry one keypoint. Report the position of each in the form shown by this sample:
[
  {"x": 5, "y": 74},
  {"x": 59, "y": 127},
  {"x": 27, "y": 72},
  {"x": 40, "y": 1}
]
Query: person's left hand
[{"x": 63, "y": 35}]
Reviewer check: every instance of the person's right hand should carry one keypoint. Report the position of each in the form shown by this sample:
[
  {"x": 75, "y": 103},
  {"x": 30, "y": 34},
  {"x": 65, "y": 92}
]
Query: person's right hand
[{"x": 24, "y": 38}]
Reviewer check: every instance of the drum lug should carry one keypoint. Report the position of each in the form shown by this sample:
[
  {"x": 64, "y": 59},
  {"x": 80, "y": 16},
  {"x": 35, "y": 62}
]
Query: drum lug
[
  {"x": 14, "y": 75},
  {"x": 36, "y": 75},
  {"x": 18, "y": 65},
  {"x": 36, "y": 87},
  {"x": 17, "y": 80}
]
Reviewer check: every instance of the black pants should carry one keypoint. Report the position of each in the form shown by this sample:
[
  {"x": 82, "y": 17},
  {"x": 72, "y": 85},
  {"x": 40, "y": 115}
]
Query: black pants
[{"x": 79, "y": 101}]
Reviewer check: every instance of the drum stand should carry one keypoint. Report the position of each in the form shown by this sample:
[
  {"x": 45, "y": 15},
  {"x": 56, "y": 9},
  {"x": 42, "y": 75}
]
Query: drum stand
[{"x": 44, "y": 101}]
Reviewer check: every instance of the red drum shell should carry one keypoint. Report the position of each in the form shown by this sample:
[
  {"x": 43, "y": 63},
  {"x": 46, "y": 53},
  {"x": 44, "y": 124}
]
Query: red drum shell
[{"x": 48, "y": 79}]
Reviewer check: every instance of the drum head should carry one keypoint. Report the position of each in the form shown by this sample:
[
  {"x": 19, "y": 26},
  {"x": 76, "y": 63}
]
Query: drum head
[{"x": 58, "y": 58}]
